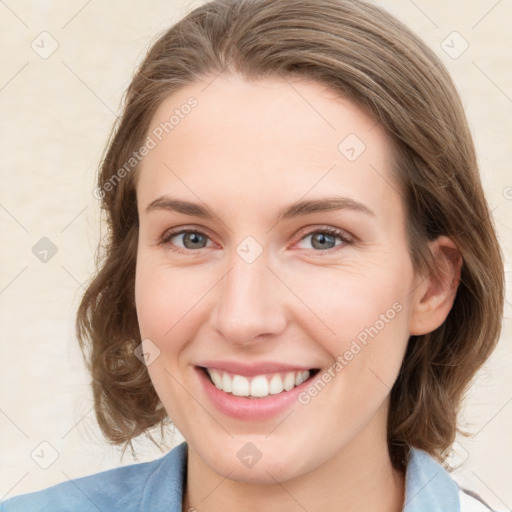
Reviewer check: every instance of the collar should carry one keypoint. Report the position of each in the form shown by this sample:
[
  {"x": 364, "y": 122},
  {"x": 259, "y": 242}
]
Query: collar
[{"x": 428, "y": 486}]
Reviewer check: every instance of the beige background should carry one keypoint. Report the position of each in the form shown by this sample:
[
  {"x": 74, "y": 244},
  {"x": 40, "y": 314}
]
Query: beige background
[{"x": 56, "y": 115}]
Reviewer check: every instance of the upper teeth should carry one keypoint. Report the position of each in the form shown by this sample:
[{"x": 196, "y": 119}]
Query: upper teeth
[{"x": 259, "y": 385}]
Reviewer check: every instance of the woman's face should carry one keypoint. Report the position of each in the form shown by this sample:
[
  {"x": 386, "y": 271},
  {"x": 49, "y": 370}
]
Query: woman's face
[{"x": 272, "y": 244}]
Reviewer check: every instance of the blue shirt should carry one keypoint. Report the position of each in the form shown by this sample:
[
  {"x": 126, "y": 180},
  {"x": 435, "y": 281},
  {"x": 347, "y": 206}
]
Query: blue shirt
[{"x": 158, "y": 486}]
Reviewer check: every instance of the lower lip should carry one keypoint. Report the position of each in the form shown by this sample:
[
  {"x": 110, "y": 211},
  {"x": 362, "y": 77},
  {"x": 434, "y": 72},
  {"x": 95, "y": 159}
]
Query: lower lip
[{"x": 246, "y": 408}]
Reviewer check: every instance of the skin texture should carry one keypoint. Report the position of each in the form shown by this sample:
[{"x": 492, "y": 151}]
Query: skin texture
[{"x": 247, "y": 150}]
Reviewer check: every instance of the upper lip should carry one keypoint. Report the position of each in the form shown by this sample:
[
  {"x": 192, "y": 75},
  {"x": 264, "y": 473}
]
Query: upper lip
[{"x": 250, "y": 370}]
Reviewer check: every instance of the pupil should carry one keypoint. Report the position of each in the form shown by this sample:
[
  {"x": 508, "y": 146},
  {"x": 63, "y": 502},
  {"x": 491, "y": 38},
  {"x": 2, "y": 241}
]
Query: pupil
[
  {"x": 193, "y": 237},
  {"x": 322, "y": 240}
]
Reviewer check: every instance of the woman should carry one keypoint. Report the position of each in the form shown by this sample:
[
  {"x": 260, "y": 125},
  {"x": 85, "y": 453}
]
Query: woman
[{"x": 302, "y": 272}]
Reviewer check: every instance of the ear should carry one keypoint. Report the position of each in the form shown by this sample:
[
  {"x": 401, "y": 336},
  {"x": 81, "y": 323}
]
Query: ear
[{"x": 434, "y": 293}]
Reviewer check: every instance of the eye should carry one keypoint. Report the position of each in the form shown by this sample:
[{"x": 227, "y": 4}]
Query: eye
[
  {"x": 191, "y": 239},
  {"x": 324, "y": 238}
]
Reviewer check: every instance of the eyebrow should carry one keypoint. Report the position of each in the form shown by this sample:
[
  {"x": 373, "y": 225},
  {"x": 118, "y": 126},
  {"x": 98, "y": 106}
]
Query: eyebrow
[{"x": 297, "y": 209}]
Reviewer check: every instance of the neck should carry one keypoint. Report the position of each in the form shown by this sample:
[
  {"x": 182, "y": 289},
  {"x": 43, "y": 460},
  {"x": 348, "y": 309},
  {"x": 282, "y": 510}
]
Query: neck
[{"x": 359, "y": 477}]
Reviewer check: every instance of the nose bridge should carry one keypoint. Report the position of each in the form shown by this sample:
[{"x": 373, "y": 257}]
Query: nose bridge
[{"x": 248, "y": 304}]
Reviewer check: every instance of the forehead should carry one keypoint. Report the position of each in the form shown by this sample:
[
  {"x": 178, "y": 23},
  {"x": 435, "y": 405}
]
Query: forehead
[{"x": 284, "y": 137}]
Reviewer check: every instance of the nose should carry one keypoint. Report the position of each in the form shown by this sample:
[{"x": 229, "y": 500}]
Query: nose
[{"x": 249, "y": 306}]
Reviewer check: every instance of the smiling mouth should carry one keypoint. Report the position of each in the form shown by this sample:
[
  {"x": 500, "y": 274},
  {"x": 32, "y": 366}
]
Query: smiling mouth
[{"x": 257, "y": 386}]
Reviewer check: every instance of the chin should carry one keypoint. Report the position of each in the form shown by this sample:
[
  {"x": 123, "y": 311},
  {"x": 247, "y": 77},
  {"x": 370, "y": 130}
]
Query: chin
[{"x": 254, "y": 461}]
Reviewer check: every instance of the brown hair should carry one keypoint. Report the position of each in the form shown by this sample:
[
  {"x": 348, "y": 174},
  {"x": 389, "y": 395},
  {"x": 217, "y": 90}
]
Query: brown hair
[{"x": 366, "y": 55}]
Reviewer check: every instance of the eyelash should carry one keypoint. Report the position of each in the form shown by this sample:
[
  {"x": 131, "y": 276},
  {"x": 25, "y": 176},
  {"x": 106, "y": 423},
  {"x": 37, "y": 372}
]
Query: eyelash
[{"x": 342, "y": 235}]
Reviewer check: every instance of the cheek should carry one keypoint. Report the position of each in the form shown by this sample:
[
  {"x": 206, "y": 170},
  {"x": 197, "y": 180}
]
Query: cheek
[
  {"x": 369, "y": 319},
  {"x": 151, "y": 294},
  {"x": 362, "y": 321},
  {"x": 345, "y": 302},
  {"x": 166, "y": 299}
]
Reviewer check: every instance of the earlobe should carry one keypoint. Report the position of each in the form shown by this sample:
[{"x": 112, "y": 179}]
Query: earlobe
[{"x": 435, "y": 293}]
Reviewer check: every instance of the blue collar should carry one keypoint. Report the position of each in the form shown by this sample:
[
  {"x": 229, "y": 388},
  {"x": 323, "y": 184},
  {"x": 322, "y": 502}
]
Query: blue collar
[
  {"x": 159, "y": 485},
  {"x": 428, "y": 486}
]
